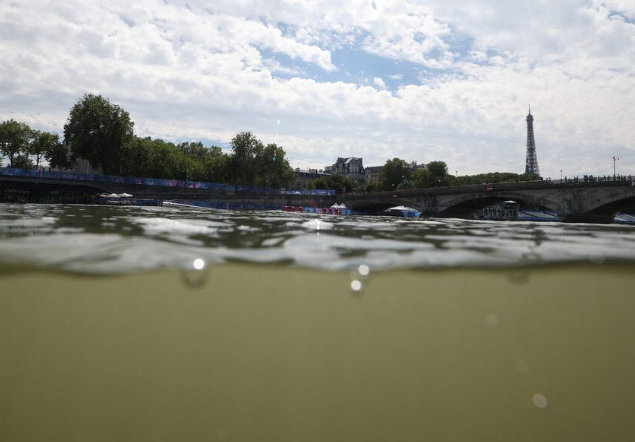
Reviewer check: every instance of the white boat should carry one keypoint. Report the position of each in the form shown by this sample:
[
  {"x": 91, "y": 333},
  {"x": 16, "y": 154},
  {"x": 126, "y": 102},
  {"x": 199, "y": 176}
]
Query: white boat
[{"x": 403, "y": 211}]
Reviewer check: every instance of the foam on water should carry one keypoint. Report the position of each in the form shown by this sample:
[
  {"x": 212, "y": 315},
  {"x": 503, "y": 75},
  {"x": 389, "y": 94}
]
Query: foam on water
[{"x": 98, "y": 239}]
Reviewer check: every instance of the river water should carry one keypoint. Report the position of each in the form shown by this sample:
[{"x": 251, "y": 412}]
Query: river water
[{"x": 163, "y": 324}]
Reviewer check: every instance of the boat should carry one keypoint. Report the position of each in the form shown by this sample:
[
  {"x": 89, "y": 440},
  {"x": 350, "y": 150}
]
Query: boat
[
  {"x": 505, "y": 211},
  {"x": 403, "y": 211},
  {"x": 115, "y": 199}
]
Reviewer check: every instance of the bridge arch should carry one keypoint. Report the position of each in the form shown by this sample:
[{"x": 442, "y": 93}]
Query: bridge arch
[
  {"x": 463, "y": 206},
  {"x": 375, "y": 206},
  {"x": 605, "y": 207}
]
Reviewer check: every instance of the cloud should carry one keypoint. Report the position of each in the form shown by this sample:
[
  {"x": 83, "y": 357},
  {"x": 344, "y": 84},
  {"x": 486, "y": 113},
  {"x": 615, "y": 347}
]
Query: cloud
[
  {"x": 379, "y": 82},
  {"x": 206, "y": 70}
]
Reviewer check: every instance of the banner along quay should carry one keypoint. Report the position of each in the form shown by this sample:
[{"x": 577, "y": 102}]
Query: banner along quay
[
  {"x": 594, "y": 202},
  {"x": 22, "y": 185}
]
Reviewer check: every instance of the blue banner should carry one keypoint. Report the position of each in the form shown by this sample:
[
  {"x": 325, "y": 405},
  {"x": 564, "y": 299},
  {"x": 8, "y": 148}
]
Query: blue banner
[{"x": 219, "y": 187}]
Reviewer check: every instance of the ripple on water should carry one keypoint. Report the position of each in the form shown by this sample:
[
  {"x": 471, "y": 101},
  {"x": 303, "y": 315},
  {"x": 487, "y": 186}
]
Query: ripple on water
[{"x": 114, "y": 239}]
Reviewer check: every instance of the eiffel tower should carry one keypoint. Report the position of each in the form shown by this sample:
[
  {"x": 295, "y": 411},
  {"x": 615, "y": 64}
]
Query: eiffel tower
[{"x": 531, "y": 164}]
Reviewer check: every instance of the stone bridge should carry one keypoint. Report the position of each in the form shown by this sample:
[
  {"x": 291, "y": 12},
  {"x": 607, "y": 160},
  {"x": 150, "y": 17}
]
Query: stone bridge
[{"x": 573, "y": 202}]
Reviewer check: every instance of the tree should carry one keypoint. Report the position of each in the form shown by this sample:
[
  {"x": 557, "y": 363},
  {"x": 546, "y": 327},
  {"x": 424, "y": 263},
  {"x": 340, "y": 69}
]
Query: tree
[
  {"x": 165, "y": 161},
  {"x": 99, "y": 131},
  {"x": 59, "y": 157},
  {"x": 406, "y": 184},
  {"x": 394, "y": 172},
  {"x": 340, "y": 183},
  {"x": 438, "y": 169},
  {"x": 23, "y": 161},
  {"x": 14, "y": 140},
  {"x": 198, "y": 151},
  {"x": 243, "y": 166},
  {"x": 272, "y": 168},
  {"x": 319, "y": 183},
  {"x": 215, "y": 168},
  {"x": 201, "y": 161},
  {"x": 434, "y": 175},
  {"x": 41, "y": 144},
  {"x": 491, "y": 178},
  {"x": 137, "y": 157}
]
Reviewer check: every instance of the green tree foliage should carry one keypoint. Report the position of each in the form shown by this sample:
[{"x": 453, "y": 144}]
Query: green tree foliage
[
  {"x": 15, "y": 138},
  {"x": 394, "y": 172},
  {"x": 99, "y": 132},
  {"x": 406, "y": 184},
  {"x": 335, "y": 182},
  {"x": 42, "y": 144},
  {"x": 272, "y": 167},
  {"x": 148, "y": 158},
  {"x": 319, "y": 184},
  {"x": 58, "y": 156},
  {"x": 434, "y": 175},
  {"x": 102, "y": 134},
  {"x": 340, "y": 184},
  {"x": 165, "y": 161},
  {"x": 203, "y": 163},
  {"x": 23, "y": 162},
  {"x": 253, "y": 163},
  {"x": 216, "y": 168},
  {"x": 491, "y": 178},
  {"x": 243, "y": 165}
]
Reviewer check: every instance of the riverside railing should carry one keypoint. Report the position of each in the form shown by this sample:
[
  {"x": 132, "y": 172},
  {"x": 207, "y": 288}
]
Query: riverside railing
[{"x": 218, "y": 187}]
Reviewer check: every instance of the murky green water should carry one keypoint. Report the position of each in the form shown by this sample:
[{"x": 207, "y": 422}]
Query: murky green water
[{"x": 461, "y": 331}]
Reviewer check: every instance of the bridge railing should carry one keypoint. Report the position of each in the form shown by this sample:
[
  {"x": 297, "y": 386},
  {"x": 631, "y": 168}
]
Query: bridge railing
[
  {"x": 218, "y": 187},
  {"x": 621, "y": 180}
]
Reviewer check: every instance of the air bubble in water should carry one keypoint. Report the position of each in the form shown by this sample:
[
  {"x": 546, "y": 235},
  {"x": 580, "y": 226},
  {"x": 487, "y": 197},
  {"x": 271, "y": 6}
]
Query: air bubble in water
[
  {"x": 195, "y": 273},
  {"x": 539, "y": 401},
  {"x": 519, "y": 277},
  {"x": 199, "y": 264},
  {"x": 491, "y": 319},
  {"x": 522, "y": 366},
  {"x": 222, "y": 434},
  {"x": 360, "y": 272}
]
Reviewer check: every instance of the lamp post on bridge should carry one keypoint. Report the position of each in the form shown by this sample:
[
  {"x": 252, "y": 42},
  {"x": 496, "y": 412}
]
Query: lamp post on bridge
[
  {"x": 614, "y": 160},
  {"x": 560, "y": 176}
]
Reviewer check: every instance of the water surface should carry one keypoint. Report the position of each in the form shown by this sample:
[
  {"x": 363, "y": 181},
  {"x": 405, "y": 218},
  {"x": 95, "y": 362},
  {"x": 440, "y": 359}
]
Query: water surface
[
  {"x": 156, "y": 324},
  {"x": 98, "y": 239}
]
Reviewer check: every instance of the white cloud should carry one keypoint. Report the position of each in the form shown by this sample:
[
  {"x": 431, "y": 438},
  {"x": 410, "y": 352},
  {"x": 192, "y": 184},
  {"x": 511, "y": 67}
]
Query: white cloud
[
  {"x": 379, "y": 82},
  {"x": 207, "y": 71}
]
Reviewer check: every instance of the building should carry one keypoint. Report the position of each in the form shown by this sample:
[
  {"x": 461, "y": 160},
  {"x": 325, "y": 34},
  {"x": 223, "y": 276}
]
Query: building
[
  {"x": 414, "y": 166},
  {"x": 302, "y": 177},
  {"x": 83, "y": 166},
  {"x": 372, "y": 174},
  {"x": 531, "y": 163},
  {"x": 351, "y": 168}
]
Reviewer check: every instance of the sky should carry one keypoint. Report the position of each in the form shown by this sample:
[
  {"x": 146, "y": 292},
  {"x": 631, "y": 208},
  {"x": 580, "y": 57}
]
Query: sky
[{"x": 447, "y": 80}]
